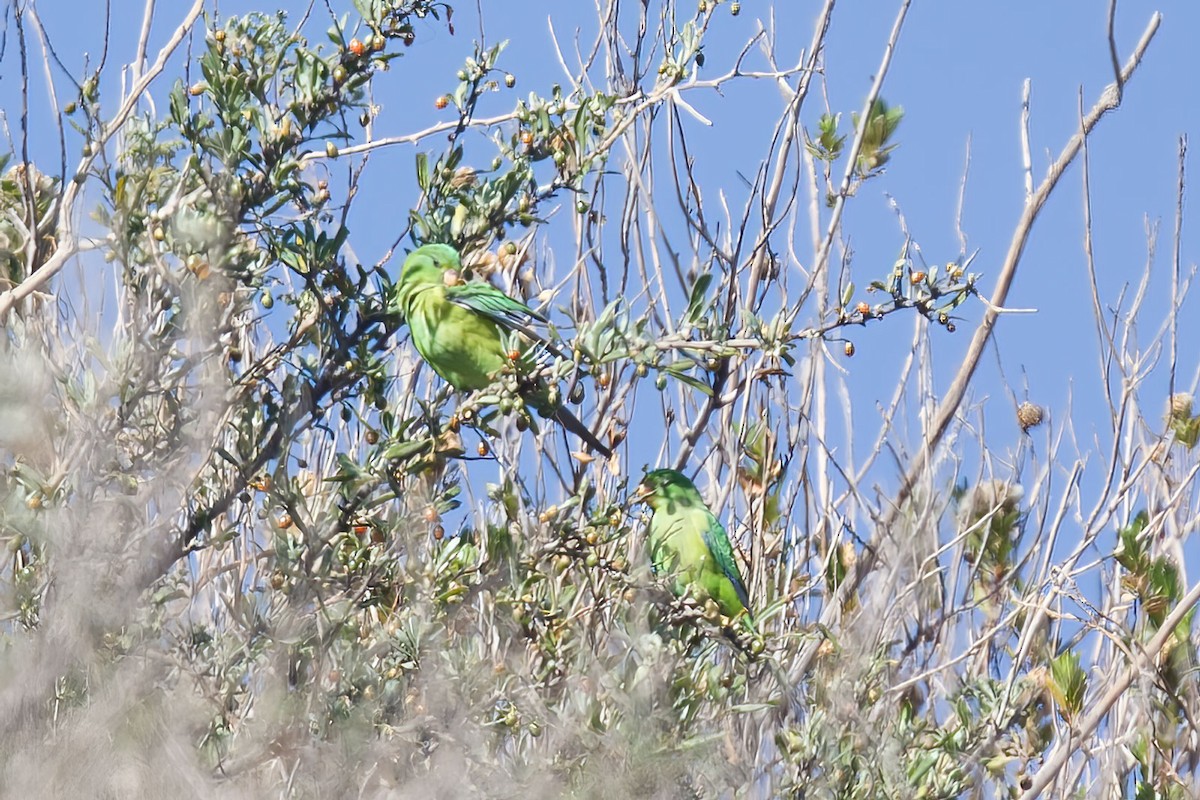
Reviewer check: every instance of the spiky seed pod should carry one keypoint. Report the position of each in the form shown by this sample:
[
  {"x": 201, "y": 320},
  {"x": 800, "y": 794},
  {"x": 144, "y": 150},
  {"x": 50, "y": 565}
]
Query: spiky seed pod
[
  {"x": 463, "y": 178},
  {"x": 1029, "y": 415},
  {"x": 1181, "y": 406}
]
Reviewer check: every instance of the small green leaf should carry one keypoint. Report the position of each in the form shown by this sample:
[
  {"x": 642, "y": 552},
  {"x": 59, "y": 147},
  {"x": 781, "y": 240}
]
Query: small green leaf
[
  {"x": 1068, "y": 684},
  {"x": 423, "y": 171},
  {"x": 696, "y": 301},
  {"x": 848, "y": 295},
  {"x": 675, "y": 370},
  {"x": 1130, "y": 551},
  {"x": 401, "y": 451}
]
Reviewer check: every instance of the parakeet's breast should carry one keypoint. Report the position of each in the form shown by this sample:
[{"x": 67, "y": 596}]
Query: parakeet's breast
[
  {"x": 462, "y": 347},
  {"x": 676, "y": 546},
  {"x": 678, "y": 550}
]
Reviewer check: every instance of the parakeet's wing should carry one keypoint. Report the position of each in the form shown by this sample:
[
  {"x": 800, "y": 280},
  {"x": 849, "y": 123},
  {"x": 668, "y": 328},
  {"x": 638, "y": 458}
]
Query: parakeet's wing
[
  {"x": 718, "y": 544},
  {"x": 513, "y": 315},
  {"x": 483, "y": 298},
  {"x": 510, "y": 314}
]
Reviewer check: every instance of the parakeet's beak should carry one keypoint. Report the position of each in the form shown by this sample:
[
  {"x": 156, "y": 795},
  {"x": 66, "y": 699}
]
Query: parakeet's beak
[
  {"x": 642, "y": 493},
  {"x": 452, "y": 277}
]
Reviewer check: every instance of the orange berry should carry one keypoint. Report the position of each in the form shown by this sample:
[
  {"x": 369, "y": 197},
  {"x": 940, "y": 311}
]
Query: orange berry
[
  {"x": 357, "y": 47},
  {"x": 863, "y": 308},
  {"x": 441, "y": 102}
]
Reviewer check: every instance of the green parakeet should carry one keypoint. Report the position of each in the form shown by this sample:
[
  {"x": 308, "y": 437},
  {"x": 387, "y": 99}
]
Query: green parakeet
[
  {"x": 688, "y": 544},
  {"x": 466, "y": 331}
]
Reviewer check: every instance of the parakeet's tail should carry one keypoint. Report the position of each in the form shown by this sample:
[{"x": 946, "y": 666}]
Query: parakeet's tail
[{"x": 569, "y": 421}]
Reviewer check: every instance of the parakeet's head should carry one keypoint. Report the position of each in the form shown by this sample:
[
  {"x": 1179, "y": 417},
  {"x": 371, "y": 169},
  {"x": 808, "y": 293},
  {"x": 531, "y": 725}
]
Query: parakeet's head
[
  {"x": 425, "y": 267},
  {"x": 429, "y": 263},
  {"x": 663, "y": 486}
]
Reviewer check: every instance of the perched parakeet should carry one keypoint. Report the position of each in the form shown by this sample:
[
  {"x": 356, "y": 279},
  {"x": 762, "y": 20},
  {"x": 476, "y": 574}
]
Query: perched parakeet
[
  {"x": 688, "y": 544},
  {"x": 465, "y": 331}
]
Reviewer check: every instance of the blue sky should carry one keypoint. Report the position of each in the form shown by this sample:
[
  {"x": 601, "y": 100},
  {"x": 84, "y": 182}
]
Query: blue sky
[{"x": 958, "y": 72}]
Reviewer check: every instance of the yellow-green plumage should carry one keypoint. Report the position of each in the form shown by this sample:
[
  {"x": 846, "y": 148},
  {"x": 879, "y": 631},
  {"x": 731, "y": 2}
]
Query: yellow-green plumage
[
  {"x": 689, "y": 545},
  {"x": 463, "y": 330},
  {"x": 459, "y": 344}
]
